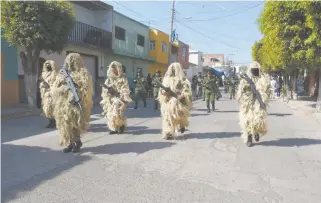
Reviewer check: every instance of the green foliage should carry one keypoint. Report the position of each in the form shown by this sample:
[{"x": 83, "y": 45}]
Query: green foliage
[
  {"x": 292, "y": 35},
  {"x": 37, "y": 25}
]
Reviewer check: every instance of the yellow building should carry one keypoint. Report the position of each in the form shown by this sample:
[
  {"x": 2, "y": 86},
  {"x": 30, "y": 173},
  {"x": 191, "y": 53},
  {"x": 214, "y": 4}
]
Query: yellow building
[{"x": 158, "y": 50}]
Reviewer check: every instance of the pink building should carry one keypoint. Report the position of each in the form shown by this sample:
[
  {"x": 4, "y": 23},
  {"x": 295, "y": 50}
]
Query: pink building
[{"x": 213, "y": 60}]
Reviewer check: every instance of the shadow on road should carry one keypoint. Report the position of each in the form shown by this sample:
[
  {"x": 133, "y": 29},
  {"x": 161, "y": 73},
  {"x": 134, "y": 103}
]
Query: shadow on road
[
  {"x": 290, "y": 142},
  {"x": 199, "y": 114},
  {"x": 130, "y": 147},
  {"x": 227, "y": 111},
  {"x": 280, "y": 114},
  {"x": 98, "y": 128},
  {"x": 141, "y": 130},
  {"x": 213, "y": 135},
  {"x": 25, "y": 167}
]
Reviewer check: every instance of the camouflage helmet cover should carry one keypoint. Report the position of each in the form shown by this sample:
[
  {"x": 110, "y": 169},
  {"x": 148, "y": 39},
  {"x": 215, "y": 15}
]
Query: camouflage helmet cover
[{"x": 158, "y": 71}]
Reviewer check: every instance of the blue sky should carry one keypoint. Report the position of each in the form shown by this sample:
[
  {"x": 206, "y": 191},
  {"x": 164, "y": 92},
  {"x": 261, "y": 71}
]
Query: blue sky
[{"x": 218, "y": 26}]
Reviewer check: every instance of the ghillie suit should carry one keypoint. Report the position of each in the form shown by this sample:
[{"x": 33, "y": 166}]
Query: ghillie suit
[
  {"x": 253, "y": 118},
  {"x": 47, "y": 80},
  {"x": 115, "y": 98},
  {"x": 73, "y": 121},
  {"x": 175, "y": 110}
]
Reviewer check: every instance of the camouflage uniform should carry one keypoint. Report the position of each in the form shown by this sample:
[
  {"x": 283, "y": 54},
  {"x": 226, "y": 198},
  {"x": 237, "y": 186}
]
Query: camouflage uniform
[
  {"x": 200, "y": 92},
  {"x": 218, "y": 92},
  {"x": 140, "y": 88},
  {"x": 156, "y": 87},
  {"x": 233, "y": 81},
  {"x": 210, "y": 90}
]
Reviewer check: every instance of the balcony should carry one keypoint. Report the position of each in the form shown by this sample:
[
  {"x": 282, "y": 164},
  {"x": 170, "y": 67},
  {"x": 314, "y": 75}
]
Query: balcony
[{"x": 87, "y": 35}]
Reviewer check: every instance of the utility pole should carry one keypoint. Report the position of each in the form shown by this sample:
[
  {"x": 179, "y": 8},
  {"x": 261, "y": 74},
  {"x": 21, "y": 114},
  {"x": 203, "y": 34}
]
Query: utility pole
[{"x": 171, "y": 32}]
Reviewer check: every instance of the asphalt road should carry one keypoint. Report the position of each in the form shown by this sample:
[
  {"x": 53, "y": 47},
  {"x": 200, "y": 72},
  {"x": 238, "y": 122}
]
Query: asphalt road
[{"x": 209, "y": 163}]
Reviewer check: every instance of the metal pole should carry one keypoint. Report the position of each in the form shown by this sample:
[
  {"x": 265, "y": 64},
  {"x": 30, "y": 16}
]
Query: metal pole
[{"x": 171, "y": 32}]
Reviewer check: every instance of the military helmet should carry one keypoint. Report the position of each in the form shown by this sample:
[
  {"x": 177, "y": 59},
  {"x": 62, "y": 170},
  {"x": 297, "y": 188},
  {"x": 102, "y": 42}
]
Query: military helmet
[
  {"x": 158, "y": 71},
  {"x": 139, "y": 70}
]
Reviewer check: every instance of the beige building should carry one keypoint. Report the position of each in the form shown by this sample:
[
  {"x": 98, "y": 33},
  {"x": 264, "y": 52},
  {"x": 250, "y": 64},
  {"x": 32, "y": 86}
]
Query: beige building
[{"x": 211, "y": 60}]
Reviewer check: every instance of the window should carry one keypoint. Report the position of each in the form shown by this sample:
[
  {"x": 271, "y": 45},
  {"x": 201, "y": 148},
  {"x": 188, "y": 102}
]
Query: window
[
  {"x": 214, "y": 60},
  {"x": 152, "y": 45},
  {"x": 120, "y": 33},
  {"x": 140, "y": 40},
  {"x": 164, "y": 47},
  {"x": 184, "y": 53}
]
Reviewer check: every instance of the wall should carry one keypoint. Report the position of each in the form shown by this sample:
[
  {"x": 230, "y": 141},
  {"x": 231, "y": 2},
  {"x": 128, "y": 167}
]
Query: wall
[
  {"x": 129, "y": 47},
  {"x": 183, "y": 60},
  {"x": 207, "y": 59},
  {"x": 9, "y": 76},
  {"x": 99, "y": 19},
  {"x": 195, "y": 57},
  {"x": 158, "y": 54}
]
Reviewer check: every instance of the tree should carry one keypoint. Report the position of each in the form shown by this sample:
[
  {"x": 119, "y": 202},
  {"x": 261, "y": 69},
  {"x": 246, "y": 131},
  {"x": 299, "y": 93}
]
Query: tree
[
  {"x": 291, "y": 40},
  {"x": 35, "y": 26}
]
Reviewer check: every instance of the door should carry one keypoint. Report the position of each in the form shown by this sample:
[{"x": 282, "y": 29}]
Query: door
[{"x": 91, "y": 67}]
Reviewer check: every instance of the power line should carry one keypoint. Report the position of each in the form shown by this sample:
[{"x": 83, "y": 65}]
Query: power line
[
  {"x": 208, "y": 36},
  {"x": 217, "y": 18},
  {"x": 132, "y": 10}
]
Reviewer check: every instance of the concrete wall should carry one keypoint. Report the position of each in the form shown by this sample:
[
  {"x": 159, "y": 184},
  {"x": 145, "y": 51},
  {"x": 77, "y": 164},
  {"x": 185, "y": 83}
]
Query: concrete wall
[
  {"x": 129, "y": 47},
  {"x": 99, "y": 19},
  {"x": 158, "y": 54},
  {"x": 195, "y": 57},
  {"x": 9, "y": 75},
  {"x": 183, "y": 60}
]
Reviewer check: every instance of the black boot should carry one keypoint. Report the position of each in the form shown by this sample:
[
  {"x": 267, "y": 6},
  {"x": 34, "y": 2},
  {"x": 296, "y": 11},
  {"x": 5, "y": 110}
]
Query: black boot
[
  {"x": 113, "y": 132},
  {"x": 122, "y": 129},
  {"x": 77, "y": 146},
  {"x": 213, "y": 107},
  {"x": 249, "y": 141},
  {"x": 68, "y": 148},
  {"x": 183, "y": 129},
  {"x": 156, "y": 105},
  {"x": 257, "y": 137}
]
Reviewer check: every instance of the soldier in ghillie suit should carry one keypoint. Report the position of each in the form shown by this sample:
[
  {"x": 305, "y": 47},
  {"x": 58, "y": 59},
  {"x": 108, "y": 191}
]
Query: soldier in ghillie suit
[
  {"x": 157, "y": 79},
  {"x": 47, "y": 80},
  {"x": 115, "y": 98},
  {"x": 200, "y": 92},
  {"x": 210, "y": 89},
  {"x": 232, "y": 83},
  {"x": 73, "y": 117},
  {"x": 175, "y": 100},
  {"x": 140, "y": 88},
  {"x": 253, "y": 100}
]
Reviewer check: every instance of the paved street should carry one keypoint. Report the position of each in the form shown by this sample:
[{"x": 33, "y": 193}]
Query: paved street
[{"x": 209, "y": 163}]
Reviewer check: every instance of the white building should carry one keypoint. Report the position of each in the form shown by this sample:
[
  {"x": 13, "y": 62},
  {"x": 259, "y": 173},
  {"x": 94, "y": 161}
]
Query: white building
[
  {"x": 195, "y": 63},
  {"x": 91, "y": 37}
]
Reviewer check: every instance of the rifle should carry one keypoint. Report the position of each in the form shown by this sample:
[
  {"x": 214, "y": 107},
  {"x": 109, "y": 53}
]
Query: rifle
[
  {"x": 110, "y": 90},
  {"x": 254, "y": 90},
  {"x": 46, "y": 85},
  {"x": 169, "y": 91},
  {"x": 140, "y": 82},
  {"x": 71, "y": 85}
]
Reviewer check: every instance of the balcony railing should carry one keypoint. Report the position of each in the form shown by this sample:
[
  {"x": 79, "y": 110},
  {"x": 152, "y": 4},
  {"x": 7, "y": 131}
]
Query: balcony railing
[{"x": 91, "y": 36}]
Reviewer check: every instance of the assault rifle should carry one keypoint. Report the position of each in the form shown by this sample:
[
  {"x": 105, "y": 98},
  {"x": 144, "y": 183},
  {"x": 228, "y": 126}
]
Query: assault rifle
[
  {"x": 254, "y": 90},
  {"x": 46, "y": 85},
  {"x": 71, "y": 86},
  {"x": 169, "y": 91},
  {"x": 110, "y": 90}
]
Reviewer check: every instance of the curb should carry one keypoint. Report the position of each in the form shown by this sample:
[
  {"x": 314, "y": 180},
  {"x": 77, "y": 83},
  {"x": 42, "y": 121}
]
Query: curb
[{"x": 20, "y": 115}]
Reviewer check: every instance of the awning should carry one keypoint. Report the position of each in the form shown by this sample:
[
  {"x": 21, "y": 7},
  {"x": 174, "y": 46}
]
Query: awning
[{"x": 217, "y": 72}]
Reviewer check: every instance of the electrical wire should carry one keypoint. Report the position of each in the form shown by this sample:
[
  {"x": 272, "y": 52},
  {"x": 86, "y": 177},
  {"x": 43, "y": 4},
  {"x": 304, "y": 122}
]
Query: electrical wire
[{"x": 217, "y": 18}]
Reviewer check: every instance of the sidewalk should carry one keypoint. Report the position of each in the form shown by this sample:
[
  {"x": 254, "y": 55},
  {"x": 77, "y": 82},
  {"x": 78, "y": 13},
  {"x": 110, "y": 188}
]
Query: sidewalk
[{"x": 306, "y": 107}]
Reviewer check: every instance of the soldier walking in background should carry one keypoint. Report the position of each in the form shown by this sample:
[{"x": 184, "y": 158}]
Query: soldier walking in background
[
  {"x": 140, "y": 88},
  {"x": 200, "y": 92},
  {"x": 210, "y": 90},
  {"x": 157, "y": 79},
  {"x": 233, "y": 82}
]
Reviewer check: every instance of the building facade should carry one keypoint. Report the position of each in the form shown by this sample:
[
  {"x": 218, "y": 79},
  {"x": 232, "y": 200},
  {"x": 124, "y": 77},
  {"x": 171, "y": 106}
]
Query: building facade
[
  {"x": 212, "y": 60},
  {"x": 91, "y": 37},
  {"x": 158, "y": 50},
  {"x": 9, "y": 76},
  {"x": 195, "y": 63},
  {"x": 130, "y": 45}
]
